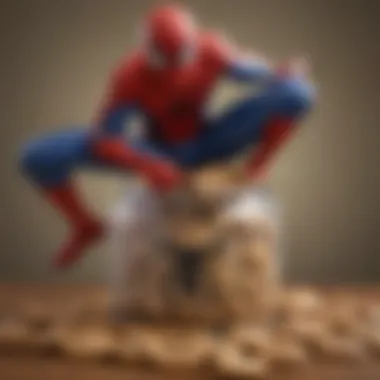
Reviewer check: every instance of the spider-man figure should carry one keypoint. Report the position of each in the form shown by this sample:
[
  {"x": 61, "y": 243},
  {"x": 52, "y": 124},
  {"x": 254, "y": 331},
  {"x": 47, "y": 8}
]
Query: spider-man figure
[{"x": 168, "y": 80}]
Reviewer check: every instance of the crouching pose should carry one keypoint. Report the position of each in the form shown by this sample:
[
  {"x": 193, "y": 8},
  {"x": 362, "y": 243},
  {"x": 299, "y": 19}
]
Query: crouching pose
[{"x": 168, "y": 79}]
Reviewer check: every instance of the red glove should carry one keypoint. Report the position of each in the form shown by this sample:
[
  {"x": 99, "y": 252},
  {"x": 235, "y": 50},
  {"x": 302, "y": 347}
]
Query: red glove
[{"x": 161, "y": 174}]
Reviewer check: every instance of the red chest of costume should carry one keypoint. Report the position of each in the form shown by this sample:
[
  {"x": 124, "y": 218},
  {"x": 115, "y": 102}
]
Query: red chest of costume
[{"x": 174, "y": 102}]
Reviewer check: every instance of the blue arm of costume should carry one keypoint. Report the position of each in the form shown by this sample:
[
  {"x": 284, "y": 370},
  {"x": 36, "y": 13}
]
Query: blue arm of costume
[
  {"x": 110, "y": 144},
  {"x": 116, "y": 121},
  {"x": 112, "y": 147},
  {"x": 249, "y": 71}
]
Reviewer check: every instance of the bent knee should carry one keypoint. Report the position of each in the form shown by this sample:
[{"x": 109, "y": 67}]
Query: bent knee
[
  {"x": 40, "y": 162},
  {"x": 295, "y": 96},
  {"x": 32, "y": 158}
]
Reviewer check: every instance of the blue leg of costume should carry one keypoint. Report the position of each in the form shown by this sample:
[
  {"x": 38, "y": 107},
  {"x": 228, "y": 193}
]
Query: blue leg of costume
[
  {"x": 49, "y": 162},
  {"x": 245, "y": 123}
]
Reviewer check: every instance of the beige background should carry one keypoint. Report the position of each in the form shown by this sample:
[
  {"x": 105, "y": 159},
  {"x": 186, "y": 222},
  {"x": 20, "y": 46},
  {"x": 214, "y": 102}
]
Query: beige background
[{"x": 55, "y": 56}]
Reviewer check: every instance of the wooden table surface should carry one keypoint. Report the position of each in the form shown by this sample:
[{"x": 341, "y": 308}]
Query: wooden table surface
[
  {"x": 14, "y": 367},
  {"x": 39, "y": 369}
]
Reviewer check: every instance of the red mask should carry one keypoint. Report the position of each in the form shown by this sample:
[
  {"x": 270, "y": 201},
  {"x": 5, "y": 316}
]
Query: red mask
[{"x": 169, "y": 37}]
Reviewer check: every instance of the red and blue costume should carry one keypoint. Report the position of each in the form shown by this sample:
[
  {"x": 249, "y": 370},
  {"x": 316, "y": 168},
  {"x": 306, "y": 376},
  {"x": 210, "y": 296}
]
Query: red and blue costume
[{"x": 167, "y": 80}]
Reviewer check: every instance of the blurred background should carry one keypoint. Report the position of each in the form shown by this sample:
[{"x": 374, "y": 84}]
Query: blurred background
[{"x": 55, "y": 59}]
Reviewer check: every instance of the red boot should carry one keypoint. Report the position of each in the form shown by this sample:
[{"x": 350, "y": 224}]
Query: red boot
[
  {"x": 86, "y": 232},
  {"x": 82, "y": 237},
  {"x": 275, "y": 134}
]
